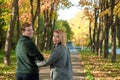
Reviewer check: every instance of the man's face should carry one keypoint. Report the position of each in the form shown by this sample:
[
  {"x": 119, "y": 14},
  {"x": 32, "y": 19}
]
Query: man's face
[{"x": 28, "y": 32}]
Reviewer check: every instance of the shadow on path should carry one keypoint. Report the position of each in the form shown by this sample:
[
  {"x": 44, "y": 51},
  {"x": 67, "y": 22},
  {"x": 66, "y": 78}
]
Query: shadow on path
[{"x": 78, "y": 69}]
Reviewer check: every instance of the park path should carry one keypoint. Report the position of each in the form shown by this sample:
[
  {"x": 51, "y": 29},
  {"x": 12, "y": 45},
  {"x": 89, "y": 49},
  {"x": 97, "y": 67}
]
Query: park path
[{"x": 78, "y": 69}]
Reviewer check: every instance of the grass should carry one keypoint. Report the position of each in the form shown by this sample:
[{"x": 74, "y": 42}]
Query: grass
[
  {"x": 7, "y": 72},
  {"x": 98, "y": 68}
]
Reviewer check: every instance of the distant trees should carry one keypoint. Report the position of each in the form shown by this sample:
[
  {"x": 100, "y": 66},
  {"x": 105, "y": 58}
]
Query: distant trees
[
  {"x": 61, "y": 24},
  {"x": 106, "y": 20}
]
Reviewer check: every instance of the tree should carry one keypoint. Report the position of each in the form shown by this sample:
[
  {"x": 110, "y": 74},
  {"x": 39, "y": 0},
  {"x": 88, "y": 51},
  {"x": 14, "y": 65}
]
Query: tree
[
  {"x": 9, "y": 34},
  {"x": 107, "y": 28},
  {"x": 117, "y": 14},
  {"x": 113, "y": 28}
]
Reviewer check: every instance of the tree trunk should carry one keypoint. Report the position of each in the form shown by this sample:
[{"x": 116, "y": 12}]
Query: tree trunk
[
  {"x": 53, "y": 27},
  {"x": 107, "y": 27},
  {"x": 118, "y": 32},
  {"x": 113, "y": 44},
  {"x": 32, "y": 15},
  {"x": 18, "y": 24},
  {"x": 38, "y": 24},
  {"x": 50, "y": 26},
  {"x": 90, "y": 43},
  {"x": 9, "y": 34},
  {"x": 94, "y": 31},
  {"x": 45, "y": 32},
  {"x": 98, "y": 36},
  {"x": 113, "y": 30}
]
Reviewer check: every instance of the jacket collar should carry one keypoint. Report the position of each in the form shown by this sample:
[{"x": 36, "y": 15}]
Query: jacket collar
[
  {"x": 56, "y": 45},
  {"x": 22, "y": 37}
]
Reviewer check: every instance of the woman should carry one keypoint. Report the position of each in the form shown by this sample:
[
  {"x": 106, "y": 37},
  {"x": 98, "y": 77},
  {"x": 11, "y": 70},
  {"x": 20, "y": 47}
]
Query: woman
[
  {"x": 27, "y": 54},
  {"x": 59, "y": 60}
]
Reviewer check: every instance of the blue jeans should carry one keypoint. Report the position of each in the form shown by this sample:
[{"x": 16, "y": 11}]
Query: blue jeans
[{"x": 20, "y": 76}]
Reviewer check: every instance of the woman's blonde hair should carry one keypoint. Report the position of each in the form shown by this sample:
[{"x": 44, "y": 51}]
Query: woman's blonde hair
[{"x": 62, "y": 36}]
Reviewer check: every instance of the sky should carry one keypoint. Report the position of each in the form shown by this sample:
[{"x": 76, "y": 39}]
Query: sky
[{"x": 67, "y": 14}]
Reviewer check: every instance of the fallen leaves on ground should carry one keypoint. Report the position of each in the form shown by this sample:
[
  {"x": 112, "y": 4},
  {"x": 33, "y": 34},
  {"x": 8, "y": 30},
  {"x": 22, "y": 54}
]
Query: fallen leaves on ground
[{"x": 100, "y": 68}]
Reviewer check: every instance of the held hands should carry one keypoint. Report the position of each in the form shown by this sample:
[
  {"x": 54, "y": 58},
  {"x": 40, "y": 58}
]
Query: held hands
[{"x": 40, "y": 63}]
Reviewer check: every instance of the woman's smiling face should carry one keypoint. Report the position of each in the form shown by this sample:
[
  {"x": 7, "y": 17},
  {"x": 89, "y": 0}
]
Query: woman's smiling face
[{"x": 56, "y": 38}]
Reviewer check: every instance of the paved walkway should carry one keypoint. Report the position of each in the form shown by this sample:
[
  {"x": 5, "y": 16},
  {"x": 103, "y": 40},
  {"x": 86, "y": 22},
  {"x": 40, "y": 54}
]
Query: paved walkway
[{"x": 78, "y": 70}]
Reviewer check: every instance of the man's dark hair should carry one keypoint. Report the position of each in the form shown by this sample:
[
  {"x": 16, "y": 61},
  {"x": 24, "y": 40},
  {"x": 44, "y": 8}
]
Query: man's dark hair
[{"x": 24, "y": 25}]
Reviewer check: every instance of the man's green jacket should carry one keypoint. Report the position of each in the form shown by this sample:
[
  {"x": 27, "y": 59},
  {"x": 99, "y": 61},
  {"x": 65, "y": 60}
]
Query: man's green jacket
[{"x": 26, "y": 54}]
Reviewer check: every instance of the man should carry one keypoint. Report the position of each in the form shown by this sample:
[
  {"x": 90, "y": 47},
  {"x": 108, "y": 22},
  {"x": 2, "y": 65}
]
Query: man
[{"x": 27, "y": 54}]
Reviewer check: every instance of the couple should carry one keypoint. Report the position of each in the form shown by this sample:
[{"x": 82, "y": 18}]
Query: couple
[{"x": 29, "y": 59}]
